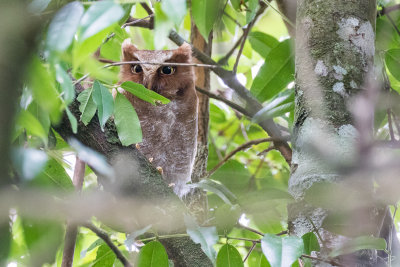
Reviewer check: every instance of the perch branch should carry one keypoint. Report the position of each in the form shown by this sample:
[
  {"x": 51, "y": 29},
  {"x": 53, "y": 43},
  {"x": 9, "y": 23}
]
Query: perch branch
[
  {"x": 103, "y": 235},
  {"x": 160, "y": 63}
]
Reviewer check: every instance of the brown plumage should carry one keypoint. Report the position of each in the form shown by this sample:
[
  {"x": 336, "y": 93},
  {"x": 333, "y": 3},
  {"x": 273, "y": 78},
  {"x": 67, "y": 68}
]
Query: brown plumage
[{"x": 169, "y": 131}]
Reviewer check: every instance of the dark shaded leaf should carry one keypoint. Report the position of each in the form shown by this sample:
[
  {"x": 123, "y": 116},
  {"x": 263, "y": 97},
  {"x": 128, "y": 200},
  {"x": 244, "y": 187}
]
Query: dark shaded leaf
[
  {"x": 88, "y": 106},
  {"x": 153, "y": 254},
  {"x": 205, "y": 13},
  {"x": 104, "y": 101},
  {"x": 229, "y": 256},
  {"x": 310, "y": 243}
]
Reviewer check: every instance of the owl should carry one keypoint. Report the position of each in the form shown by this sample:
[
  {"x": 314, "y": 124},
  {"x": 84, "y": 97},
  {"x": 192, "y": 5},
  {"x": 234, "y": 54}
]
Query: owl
[{"x": 169, "y": 131}]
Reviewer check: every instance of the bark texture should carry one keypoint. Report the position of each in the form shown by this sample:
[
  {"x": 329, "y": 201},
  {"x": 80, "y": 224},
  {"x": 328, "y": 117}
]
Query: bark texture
[
  {"x": 334, "y": 57},
  {"x": 135, "y": 176}
]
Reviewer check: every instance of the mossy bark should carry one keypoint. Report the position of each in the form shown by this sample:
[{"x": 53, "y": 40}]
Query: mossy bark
[{"x": 334, "y": 58}]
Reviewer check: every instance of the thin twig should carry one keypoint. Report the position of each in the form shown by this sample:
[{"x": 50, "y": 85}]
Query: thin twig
[
  {"x": 251, "y": 249},
  {"x": 160, "y": 63},
  {"x": 251, "y": 229},
  {"x": 393, "y": 24},
  {"x": 332, "y": 262},
  {"x": 386, "y": 10},
  {"x": 390, "y": 123},
  {"x": 233, "y": 19},
  {"x": 265, "y": 151},
  {"x": 224, "y": 59},
  {"x": 243, "y": 239},
  {"x": 222, "y": 99},
  {"x": 245, "y": 34},
  {"x": 103, "y": 235},
  {"x": 71, "y": 230},
  {"x": 147, "y": 8},
  {"x": 281, "y": 14},
  {"x": 136, "y": 21},
  {"x": 316, "y": 230},
  {"x": 243, "y": 147}
]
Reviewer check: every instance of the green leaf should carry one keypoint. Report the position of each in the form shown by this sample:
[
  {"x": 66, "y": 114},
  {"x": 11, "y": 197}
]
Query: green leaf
[
  {"x": 63, "y": 27},
  {"x": 33, "y": 127},
  {"x": 236, "y": 4},
  {"x": 143, "y": 93},
  {"x": 29, "y": 162},
  {"x": 205, "y": 13},
  {"x": 392, "y": 59},
  {"x": 234, "y": 175},
  {"x": 104, "y": 101},
  {"x": 276, "y": 73},
  {"x": 38, "y": 6},
  {"x": 358, "y": 243},
  {"x": 98, "y": 17},
  {"x": 207, "y": 237},
  {"x": 252, "y": 10},
  {"x": 217, "y": 188},
  {"x": 281, "y": 251},
  {"x": 153, "y": 254},
  {"x": 44, "y": 90},
  {"x": 126, "y": 121},
  {"x": 53, "y": 176},
  {"x": 130, "y": 239},
  {"x": 229, "y": 256},
  {"x": 277, "y": 106},
  {"x": 65, "y": 82},
  {"x": 162, "y": 26},
  {"x": 174, "y": 9},
  {"x": 310, "y": 241},
  {"x": 88, "y": 106},
  {"x": 72, "y": 120},
  {"x": 104, "y": 256},
  {"x": 262, "y": 43}
]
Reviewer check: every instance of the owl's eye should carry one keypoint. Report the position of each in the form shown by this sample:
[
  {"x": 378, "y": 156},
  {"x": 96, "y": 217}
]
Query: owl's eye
[
  {"x": 136, "y": 69},
  {"x": 168, "y": 70}
]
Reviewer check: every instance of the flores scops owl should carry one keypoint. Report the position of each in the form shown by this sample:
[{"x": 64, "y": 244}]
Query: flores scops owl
[{"x": 169, "y": 131}]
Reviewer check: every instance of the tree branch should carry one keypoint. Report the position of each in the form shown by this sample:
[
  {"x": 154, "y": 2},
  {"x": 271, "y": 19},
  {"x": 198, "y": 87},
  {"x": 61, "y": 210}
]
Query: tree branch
[
  {"x": 240, "y": 148},
  {"x": 103, "y": 235},
  {"x": 386, "y": 10}
]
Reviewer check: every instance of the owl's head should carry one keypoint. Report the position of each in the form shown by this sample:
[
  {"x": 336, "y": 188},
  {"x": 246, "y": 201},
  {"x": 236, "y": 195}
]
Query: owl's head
[{"x": 167, "y": 80}]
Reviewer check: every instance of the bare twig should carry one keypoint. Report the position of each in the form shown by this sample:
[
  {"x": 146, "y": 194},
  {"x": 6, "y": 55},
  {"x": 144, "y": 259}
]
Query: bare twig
[
  {"x": 222, "y": 99},
  {"x": 224, "y": 60},
  {"x": 103, "y": 235},
  {"x": 240, "y": 148},
  {"x": 386, "y": 10},
  {"x": 390, "y": 123},
  {"x": 250, "y": 250},
  {"x": 332, "y": 262},
  {"x": 316, "y": 230},
  {"x": 133, "y": 22},
  {"x": 243, "y": 239},
  {"x": 393, "y": 24},
  {"x": 147, "y": 8},
  {"x": 265, "y": 151},
  {"x": 232, "y": 18},
  {"x": 251, "y": 229},
  {"x": 71, "y": 229},
  {"x": 160, "y": 63},
  {"x": 281, "y": 14},
  {"x": 283, "y": 233}
]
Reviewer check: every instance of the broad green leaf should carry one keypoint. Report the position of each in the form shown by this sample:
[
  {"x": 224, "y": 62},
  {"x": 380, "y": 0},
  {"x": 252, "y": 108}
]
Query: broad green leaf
[
  {"x": 310, "y": 241},
  {"x": 226, "y": 217},
  {"x": 126, "y": 121},
  {"x": 234, "y": 176},
  {"x": 276, "y": 73},
  {"x": 236, "y": 4},
  {"x": 42, "y": 239},
  {"x": 53, "y": 176},
  {"x": 29, "y": 162},
  {"x": 207, "y": 237},
  {"x": 153, "y": 254},
  {"x": 392, "y": 59},
  {"x": 43, "y": 88},
  {"x": 175, "y": 10},
  {"x": 217, "y": 188},
  {"x": 94, "y": 159},
  {"x": 162, "y": 26},
  {"x": 229, "y": 256},
  {"x": 358, "y": 243},
  {"x": 281, "y": 251},
  {"x": 205, "y": 13},
  {"x": 63, "y": 27},
  {"x": 33, "y": 127},
  {"x": 257, "y": 259},
  {"x": 87, "y": 105},
  {"x": 98, "y": 17},
  {"x": 251, "y": 10},
  {"x": 104, "y": 101},
  {"x": 277, "y": 106},
  {"x": 38, "y": 6},
  {"x": 104, "y": 256},
  {"x": 65, "y": 82},
  {"x": 72, "y": 120},
  {"x": 262, "y": 43},
  {"x": 143, "y": 93},
  {"x": 41, "y": 115}
]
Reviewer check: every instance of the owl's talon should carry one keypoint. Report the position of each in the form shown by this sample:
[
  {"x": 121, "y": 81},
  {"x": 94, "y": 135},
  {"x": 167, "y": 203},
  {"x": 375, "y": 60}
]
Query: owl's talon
[
  {"x": 137, "y": 146},
  {"x": 159, "y": 169},
  {"x": 171, "y": 185},
  {"x": 151, "y": 160}
]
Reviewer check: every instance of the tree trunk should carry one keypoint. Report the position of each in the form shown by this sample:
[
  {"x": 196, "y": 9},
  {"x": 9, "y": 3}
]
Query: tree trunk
[{"x": 334, "y": 58}]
